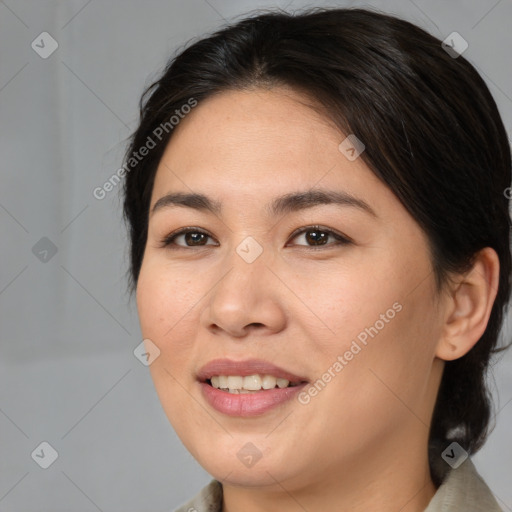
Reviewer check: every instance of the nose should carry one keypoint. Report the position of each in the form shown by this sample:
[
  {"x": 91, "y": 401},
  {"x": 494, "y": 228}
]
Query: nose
[{"x": 247, "y": 299}]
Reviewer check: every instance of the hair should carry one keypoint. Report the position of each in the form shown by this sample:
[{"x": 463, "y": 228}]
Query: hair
[{"x": 433, "y": 135}]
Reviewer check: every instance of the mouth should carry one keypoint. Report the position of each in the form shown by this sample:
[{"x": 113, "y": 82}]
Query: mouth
[
  {"x": 247, "y": 388},
  {"x": 238, "y": 384}
]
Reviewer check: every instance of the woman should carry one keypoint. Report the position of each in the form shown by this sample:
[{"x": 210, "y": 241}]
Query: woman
[{"x": 320, "y": 252}]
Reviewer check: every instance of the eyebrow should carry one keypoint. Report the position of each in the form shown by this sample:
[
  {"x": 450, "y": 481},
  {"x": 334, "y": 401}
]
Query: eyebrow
[{"x": 292, "y": 202}]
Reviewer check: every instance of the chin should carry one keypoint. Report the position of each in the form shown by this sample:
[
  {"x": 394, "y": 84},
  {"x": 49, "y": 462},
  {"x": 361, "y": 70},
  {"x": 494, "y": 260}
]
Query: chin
[
  {"x": 239, "y": 462},
  {"x": 231, "y": 473}
]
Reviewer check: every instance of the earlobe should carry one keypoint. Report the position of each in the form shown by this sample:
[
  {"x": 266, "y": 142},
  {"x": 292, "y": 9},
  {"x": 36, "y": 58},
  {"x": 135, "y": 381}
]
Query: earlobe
[{"x": 470, "y": 305}]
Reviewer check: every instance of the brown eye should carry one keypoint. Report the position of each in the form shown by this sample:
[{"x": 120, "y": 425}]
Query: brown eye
[
  {"x": 192, "y": 237},
  {"x": 315, "y": 236}
]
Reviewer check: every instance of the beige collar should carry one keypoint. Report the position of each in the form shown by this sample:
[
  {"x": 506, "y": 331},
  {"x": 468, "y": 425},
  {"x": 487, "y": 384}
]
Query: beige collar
[{"x": 462, "y": 489}]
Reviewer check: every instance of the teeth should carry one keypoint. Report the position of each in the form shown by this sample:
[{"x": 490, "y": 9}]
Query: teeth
[
  {"x": 268, "y": 382},
  {"x": 252, "y": 382},
  {"x": 238, "y": 384},
  {"x": 282, "y": 383},
  {"x": 235, "y": 382}
]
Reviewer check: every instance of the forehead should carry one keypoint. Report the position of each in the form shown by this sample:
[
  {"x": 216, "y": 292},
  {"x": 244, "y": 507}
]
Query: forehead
[
  {"x": 256, "y": 127},
  {"x": 255, "y": 144}
]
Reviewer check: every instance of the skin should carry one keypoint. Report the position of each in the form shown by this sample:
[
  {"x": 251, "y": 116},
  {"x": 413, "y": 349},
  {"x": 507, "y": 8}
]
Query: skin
[{"x": 360, "y": 443}]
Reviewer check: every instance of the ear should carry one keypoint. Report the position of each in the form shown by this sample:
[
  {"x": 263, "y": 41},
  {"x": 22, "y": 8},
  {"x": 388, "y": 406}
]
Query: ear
[{"x": 469, "y": 306}]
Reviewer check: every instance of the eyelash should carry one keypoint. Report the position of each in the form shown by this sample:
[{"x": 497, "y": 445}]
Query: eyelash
[{"x": 168, "y": 241}]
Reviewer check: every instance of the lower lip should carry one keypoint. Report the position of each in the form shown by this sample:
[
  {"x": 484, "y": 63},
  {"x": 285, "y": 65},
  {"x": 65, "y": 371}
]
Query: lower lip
[{"x": 248, "y": 404}]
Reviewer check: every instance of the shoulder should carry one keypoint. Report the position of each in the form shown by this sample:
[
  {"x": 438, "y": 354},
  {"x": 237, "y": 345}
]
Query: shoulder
[
  {"x": 463, "y": 489},
  {"x": 209, "y": 499}
]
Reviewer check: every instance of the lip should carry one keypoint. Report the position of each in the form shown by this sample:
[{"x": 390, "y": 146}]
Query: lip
[
  {"x": 247, "y": 404},
  {"x": 245, "y": 368}
]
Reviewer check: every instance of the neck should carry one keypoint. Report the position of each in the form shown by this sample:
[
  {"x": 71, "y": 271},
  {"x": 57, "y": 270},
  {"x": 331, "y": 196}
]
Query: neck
[{"x": 398, "y": 478}]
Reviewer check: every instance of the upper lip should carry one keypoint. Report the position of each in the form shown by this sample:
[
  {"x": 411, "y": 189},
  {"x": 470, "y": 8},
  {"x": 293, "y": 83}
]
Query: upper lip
[{"x": 245, "y": 368}]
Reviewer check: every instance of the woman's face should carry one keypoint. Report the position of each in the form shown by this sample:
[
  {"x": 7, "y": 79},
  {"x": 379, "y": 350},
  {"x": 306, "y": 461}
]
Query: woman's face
[{"x": 347, "y": 310}]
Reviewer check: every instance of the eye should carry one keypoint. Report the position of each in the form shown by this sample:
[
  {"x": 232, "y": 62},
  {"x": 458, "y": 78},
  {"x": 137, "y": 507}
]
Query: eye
[
  {"x": 314, "y": 236},
  {"x": 318, "y": 236},
  {"x": 193, "y": 237}
]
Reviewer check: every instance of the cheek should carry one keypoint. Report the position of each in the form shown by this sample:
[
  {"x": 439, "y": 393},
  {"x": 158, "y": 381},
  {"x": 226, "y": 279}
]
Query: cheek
[
  {"x": 164, "y": 304},
  {"x": 393, "y": 368},
  {"x": 343, "y": 302},
  {"x": 151, "y": 304},
  {"x": 169, "y": 300},
  {"x": 165, "y": 298},
  {"x": 379, "y": 320},
  {"x": 379, "y": 385}
]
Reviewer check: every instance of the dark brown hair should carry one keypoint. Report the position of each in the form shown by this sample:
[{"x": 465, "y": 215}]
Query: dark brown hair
[{"x": 432, "y": 131}]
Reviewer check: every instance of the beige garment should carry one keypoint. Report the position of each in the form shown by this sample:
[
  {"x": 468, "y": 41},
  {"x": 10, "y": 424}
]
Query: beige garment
[{"x": 462, "y": 490}]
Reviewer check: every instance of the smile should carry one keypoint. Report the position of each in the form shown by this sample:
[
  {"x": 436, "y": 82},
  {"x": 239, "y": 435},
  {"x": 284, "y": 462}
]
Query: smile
[
  {"x": 247, "y": 388},
  {"x": 249, "y": 384}
]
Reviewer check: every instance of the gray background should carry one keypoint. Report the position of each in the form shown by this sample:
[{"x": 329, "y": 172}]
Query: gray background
[{"x": 68, "y": 374}]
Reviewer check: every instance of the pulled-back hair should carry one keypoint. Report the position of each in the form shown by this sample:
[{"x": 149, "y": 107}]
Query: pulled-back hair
[{"x": 433, "y": 135}]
